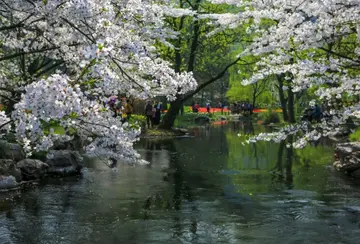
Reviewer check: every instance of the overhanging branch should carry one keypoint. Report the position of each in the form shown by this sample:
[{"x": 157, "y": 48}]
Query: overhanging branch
[
  {"x": 5, "y": 124},
  {"x": 213, "y": 79}
]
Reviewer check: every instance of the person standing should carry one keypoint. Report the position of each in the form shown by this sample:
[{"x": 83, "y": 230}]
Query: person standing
[
  {"x": 126, "y": 111},
  {"x": 158, "y": 109},
  {"x": 208, "y": 107},
  {"x": 149, "y": 114}
]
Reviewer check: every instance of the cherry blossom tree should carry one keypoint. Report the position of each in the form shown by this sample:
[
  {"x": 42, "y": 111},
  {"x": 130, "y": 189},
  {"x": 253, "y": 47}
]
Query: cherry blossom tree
[
  {"x": 56, "y": 54},
  {"x": 308, "y": 44}
]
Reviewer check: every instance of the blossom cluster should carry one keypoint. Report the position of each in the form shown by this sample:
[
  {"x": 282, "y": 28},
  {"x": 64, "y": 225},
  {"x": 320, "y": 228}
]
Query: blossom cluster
[
  {"x": 58, "y": 53},
  {"x": 312, "y": 44},
  {"x": 4, "y": 121}
]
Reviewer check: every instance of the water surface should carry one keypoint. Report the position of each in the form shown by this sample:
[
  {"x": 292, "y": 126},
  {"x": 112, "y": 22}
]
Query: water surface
[{"x": 205, "y": 189}]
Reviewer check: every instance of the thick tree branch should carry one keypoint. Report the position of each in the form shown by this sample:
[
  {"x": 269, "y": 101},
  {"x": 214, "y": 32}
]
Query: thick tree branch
[{"x": 213, "y": 79}]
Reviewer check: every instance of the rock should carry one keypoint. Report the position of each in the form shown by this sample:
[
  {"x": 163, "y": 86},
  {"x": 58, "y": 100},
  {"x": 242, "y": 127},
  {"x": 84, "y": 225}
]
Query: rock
[
  {"x": 60, "y": 145},
  {"x": 76, "y": 144},
  {"x": 8, "y": 182},
  {"x": 347, "y": 156},
  {"x": 8, "y": 167},
  {"x": 180, "y": 130},
  {"x": 339, "y": 134},
  {"x": 356, "y": 174},
  {"x": 64, "y": 163},
  {"x": 11, "y": 151},
  {"x": 10, "y": 137},
  {"x": 32, "y": 169}
]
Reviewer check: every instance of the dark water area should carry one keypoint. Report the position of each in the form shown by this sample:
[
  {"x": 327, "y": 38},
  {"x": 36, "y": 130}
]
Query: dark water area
[{"x": 206, "y": 189}]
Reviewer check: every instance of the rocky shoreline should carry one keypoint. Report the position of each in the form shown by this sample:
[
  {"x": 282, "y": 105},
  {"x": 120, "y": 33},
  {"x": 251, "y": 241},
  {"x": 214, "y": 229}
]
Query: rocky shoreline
[
  {"x": 347, "y": 158},
  {"x": 16, "y": 169}
]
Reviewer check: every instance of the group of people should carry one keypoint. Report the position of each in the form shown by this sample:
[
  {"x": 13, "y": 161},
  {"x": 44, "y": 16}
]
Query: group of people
[
  {"x": 195, "y": 107},
  {"x": 120, "y": 107},
  {"x": 241, "y": 107},
  {"x": 153, "y": 112}
]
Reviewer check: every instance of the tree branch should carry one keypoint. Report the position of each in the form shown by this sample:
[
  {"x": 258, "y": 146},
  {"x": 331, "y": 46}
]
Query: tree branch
[
  {"x": 5, "y": 124},
  {"x": 8, "y": 98},
  {"x": 49, "y": 68},
  {"x": 124, "y": 73},
  {"x": 76, "y": 28},
  {"x": 339, "y": 55},
  {"x": 213, "y": 79},
  {"x": 15, "y": 55},
  {"x": 11, "y": 27}
]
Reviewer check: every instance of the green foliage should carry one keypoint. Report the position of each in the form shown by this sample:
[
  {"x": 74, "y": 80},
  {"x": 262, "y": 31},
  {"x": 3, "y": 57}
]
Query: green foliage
[
  {"x": 186, "y": 120},
  {"x": 355, "y": 136},
  {"x": 137, "y": 121},
  {"x": 260, "y": 91},
  {"x": 54, "y": 125},
  {"x": 270, "y": 117}
]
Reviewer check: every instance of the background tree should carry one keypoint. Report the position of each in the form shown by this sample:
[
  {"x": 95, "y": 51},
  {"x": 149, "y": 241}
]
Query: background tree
[{"x": 206, "y": 56}]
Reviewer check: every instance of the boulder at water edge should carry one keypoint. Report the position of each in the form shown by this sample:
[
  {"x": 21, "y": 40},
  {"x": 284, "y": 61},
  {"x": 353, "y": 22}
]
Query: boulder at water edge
[
  {"x": 32, "y": 169},
  {"x": 64, "y": 163},
  {"x": 348, "y": 158},
  {"x": 11, "y": 151},
  {"x": 8, "y": 167},
  {"x": 7, "y": 182}
]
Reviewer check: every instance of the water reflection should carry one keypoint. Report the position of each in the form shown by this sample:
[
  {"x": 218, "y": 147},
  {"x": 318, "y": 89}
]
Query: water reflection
[{"x": 206, "y": 189}]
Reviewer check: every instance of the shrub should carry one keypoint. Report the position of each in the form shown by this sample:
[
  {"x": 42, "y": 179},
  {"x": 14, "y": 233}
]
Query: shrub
[
  {"x": 355, "y": 136},
  {"x": 270, "y": 117},
  {"x": 137, "y": 120}
]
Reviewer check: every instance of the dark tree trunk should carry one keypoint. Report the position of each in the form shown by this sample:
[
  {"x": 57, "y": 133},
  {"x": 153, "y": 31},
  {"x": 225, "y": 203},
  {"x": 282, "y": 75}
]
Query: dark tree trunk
[
  {"x": 254, "y": 99},
  {"x": 283, "y": 100},
  {"x": 170, "y": 117},
  {"x": 194, "y": 40},
  {"x": 182, "y": 110},
  {"x": 175, "y": 106},
  {"x": 291, "y": 109}
]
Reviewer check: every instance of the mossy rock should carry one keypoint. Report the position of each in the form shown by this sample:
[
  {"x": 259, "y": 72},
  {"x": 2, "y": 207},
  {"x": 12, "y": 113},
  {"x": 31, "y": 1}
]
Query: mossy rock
[{"x": 11, "y": 151}]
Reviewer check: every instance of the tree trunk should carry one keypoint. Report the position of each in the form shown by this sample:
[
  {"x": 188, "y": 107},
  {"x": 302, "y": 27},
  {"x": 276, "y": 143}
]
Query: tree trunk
[
  {"x": 182, "y": 110},
  {"x": 253, "y": 100},
  {"x": 177, "y": 106},
  {"x": 291, "y": 109},
  {"x": 282, "y": 98},
  {"x": 195, "y": 40},
  {"x": 168, "y": 120}
]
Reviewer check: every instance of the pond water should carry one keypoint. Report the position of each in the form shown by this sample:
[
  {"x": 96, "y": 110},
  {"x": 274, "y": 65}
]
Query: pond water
[{"x": 205, "y": 189}]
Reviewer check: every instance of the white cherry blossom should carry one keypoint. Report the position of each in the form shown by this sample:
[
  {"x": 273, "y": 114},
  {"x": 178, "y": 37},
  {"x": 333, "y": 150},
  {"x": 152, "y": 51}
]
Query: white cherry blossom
[{"x": 55, "y": 54}]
